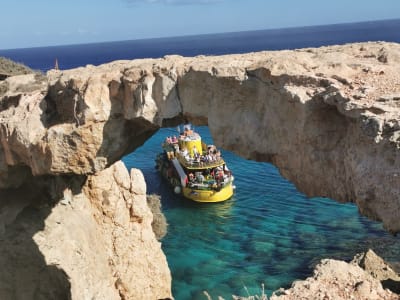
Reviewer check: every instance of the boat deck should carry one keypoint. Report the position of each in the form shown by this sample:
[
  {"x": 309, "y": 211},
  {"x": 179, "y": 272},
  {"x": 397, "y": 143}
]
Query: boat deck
[{"x": 193, "y": 164}]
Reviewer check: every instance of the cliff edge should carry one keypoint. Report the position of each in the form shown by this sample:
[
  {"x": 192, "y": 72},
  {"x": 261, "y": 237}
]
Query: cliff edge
[{"x": 328, "y": 118}]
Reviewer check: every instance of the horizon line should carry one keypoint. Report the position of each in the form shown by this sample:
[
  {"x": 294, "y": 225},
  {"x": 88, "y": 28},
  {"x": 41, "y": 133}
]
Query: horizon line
[{"x": 205, "y": 34}]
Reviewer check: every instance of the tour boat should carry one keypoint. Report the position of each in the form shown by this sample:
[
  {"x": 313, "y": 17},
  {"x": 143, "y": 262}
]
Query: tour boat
[{"x": 194, "y": 169}]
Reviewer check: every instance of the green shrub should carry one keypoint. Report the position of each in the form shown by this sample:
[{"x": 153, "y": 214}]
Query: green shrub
[{"x": 159, "y": 223}]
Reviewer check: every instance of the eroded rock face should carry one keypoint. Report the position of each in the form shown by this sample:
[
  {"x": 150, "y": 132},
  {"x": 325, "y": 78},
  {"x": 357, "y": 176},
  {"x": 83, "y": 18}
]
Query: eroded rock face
[
  {"x": 138, "y": 266},
  {"x": 328, "y": 118},
  {"x": 378, "y": 269},
  {"x": 366, "y": 277},
  {"x": 94, "y": 242}
]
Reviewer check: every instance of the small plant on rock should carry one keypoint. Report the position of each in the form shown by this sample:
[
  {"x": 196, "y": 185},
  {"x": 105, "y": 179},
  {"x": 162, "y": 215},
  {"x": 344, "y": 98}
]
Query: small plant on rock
[{"x": 262, "y": 296}]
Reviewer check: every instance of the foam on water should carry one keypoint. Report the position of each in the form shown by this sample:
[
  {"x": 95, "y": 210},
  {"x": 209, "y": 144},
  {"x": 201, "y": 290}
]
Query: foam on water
[{"x": 267, "y": 233}]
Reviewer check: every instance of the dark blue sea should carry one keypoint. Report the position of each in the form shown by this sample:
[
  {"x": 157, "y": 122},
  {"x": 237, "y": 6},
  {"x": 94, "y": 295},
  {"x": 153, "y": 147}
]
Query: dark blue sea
[
  {"x": 72, "y": 56},
  {"x": 268, "y": 233}
]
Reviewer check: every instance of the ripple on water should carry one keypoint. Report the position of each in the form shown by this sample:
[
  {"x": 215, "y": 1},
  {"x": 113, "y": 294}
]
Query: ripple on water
[{"x": 267, "y": 233}]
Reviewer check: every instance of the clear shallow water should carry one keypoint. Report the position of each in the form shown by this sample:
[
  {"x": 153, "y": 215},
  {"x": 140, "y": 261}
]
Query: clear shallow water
[{"x": 267, "y": 233}]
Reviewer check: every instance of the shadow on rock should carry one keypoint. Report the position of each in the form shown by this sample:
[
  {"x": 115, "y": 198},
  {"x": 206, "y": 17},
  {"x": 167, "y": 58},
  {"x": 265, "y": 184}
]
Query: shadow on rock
[
  {"x": 392, "y": 285},
  {"x": 24, "y": 271}
]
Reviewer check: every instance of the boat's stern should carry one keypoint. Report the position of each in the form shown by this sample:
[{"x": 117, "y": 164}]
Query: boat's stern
[{"x": 209, "y": 195}]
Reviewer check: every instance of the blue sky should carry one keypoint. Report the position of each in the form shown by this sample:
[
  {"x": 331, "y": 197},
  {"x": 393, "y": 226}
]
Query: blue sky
[{"x": 30, "y": 23}]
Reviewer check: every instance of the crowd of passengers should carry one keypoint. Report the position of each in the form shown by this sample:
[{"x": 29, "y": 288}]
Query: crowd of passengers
[
  {"x": 216, "y": 176},
  {"x": 212, "y": 155}
]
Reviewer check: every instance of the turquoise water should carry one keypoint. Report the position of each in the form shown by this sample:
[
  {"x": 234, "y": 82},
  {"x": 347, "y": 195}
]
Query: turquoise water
[{"x": 268, "y": 233}]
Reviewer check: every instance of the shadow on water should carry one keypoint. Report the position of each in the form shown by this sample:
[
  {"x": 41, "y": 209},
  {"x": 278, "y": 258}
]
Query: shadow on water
[{"x": 25, "y": 274}]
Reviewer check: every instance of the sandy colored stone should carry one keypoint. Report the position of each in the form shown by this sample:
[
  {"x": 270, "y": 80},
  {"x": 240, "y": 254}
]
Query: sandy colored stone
[
  {"x": 138, "y": 265},
  {"x": 87, "y": 246},
  {"x": 378, "y": 269},
  {"x": 338, "y": 280},
  {"x": 327, "y": 117}
]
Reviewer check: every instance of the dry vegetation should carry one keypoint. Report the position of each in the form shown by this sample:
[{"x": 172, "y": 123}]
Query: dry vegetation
[
  {"x": 262, "y": 295},
  {"x": 9, "y": 67}
]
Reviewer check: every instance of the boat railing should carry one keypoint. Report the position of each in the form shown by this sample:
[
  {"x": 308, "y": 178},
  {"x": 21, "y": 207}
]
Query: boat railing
[
  {"x": 209, "y": 184},
  {"x": 201, "y": 162}
]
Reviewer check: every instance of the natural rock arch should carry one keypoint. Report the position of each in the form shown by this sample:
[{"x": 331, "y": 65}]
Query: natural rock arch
[{"x": 328, "y": 118}]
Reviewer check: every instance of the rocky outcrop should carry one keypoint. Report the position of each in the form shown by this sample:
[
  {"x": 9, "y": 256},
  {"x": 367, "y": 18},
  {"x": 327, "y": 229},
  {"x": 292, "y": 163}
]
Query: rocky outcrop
[
  {"x": 137, "y": 266},
  {"x": 328, "y": 118},
  {"x": 378, "y": 269},
  {"x": 87, "y": 239},
  {"x": 366, "y": 277}
]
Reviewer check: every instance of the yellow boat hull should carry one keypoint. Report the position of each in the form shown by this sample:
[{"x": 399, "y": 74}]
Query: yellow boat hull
[{"x": 208, "y": 195}]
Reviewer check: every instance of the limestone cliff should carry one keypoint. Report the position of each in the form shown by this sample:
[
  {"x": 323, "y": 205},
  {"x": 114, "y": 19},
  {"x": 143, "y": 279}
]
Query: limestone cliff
[
  {"x": 94, "y": 242},
  {"x": 328, "y": 118}
]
